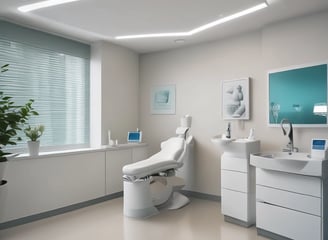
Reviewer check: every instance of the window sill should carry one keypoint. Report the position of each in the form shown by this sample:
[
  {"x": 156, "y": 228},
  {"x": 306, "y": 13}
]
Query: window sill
[{"x": 103, "y": 148}]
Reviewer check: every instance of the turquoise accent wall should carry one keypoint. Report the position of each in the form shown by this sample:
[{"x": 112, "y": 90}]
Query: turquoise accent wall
[{"x": 296, "y": 91}]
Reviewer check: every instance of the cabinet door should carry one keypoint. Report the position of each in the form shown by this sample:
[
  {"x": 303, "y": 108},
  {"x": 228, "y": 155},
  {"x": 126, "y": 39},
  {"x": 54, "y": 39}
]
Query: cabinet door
[
  {"x": 290, "y": 182},
  {"x": 290, "y": 200},
  {"x": 46, "y": 183},
  {"x": 232, "y": 180},
  {"x": 234, "y": 204},
  {"x": 288, "y": 223},
  {"x": 115, "y": 160},
  {"x": 234, "y": 163}
]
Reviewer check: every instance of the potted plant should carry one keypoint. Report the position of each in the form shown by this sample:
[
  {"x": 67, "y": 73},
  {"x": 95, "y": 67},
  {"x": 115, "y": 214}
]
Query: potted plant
[
  {"x": 34, "y": 133},
  {"x": 12, "y": 119}
]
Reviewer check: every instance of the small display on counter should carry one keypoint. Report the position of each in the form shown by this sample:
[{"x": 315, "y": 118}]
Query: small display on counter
[{"x": 134, "y": 137}]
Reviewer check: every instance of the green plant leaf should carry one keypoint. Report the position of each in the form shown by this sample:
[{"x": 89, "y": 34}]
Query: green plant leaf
[{"x": 6, "y": 98}]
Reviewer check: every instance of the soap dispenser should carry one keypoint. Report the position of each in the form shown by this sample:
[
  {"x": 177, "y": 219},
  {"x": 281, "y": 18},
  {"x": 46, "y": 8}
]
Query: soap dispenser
[
  {"x": 110, "y": 141},
  {"x": 251, "y": 135},
  {"x": 228, "y": 135}
]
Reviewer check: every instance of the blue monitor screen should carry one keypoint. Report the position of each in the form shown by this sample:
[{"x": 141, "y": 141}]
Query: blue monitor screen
[
  {"x": 318, "y": 144},
  {"x": 134, "y": 137}
]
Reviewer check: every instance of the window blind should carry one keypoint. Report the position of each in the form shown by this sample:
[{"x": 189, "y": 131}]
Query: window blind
[{"x": 59, "y": 84}]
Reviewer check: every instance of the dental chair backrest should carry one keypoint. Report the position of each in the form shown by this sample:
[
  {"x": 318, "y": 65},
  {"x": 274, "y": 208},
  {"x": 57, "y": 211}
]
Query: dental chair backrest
[
  {"x": 188, "y": 143},
  {"x": 176, "y": 148},
  {"x": 173, "y": 148}
]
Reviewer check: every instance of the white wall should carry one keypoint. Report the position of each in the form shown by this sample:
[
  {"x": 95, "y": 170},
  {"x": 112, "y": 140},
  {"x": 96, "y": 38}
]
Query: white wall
[
  {"x": 95, "y": 94},
  {"x": 198, "y": 71},
  {"x": 114, "y": 90}
]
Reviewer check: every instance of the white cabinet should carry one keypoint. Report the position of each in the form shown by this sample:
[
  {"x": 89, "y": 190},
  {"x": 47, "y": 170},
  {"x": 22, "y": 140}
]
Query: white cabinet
[
  {"x": 115, "y": 160},
  {"x": 50, "y": 182},
  {"x": 238, "y": 184},
  {"x": 288, "y": 223},
  {"x": 235, "y": 205},
  {"x": 291, "y": 205},
  {"x": 41, "y": 184}
]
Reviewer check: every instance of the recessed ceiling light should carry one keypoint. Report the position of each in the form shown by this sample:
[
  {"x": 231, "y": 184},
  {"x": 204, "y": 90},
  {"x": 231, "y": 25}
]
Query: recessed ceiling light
[
  {"x": 201, "y": 28},
  {"x": 179, "y": 41},
  {"x": 43, "y": 4}
]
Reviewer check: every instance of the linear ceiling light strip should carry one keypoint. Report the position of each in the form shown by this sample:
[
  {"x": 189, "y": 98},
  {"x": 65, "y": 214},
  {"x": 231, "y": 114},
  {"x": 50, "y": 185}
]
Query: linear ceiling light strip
[
  {"x": 43, "y": 4},
  {"x": 201, "y": 28}
]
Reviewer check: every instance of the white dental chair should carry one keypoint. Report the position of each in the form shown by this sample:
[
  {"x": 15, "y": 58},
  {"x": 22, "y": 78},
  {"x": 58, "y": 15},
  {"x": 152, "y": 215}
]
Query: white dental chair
[{"x": 151, "y": 184}]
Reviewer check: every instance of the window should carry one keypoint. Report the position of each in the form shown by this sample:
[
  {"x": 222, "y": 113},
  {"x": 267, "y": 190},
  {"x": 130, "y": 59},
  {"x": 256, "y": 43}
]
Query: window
[{"x": 59, "y": 84}]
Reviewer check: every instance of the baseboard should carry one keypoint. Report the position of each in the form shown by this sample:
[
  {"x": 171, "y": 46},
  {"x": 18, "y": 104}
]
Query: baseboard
[
  {"x": 237, "y": 221},
  {"x": 199, "y": 195},
  {"x": 39, "y": 216},
  {"x": 271, "y": 235}
]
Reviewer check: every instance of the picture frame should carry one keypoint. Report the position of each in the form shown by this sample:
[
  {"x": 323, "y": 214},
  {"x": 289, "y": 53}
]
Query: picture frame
[
  {"x": 162, "y": 99},
  {"x": 235, "y": 99}
]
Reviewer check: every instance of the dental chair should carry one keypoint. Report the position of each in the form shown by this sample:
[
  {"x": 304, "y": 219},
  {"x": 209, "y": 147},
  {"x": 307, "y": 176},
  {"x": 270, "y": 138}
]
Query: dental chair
[{"x": 151, "y": 185}]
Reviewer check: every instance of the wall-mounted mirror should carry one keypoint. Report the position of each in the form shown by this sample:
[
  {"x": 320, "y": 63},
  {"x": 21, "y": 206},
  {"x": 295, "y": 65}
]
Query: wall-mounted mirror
[{"x": 298, "y": 94}]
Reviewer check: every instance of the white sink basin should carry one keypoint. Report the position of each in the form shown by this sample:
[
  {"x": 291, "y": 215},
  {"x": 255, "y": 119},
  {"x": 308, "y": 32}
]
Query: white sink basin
[
  {"x": 218, "y": 139},
  {"x": 236, "y": 147},
  {"x": 299, "y": 163}
]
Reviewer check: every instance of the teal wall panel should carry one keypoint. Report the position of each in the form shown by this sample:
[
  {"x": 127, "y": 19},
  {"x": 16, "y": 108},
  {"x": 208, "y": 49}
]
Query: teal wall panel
[{"x": 294, "y": 92}]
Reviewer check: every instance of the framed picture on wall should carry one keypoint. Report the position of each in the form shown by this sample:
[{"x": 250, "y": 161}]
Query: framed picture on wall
[
  {"x": 162, "y": 99},
  {"x": 235, "y": 99}
]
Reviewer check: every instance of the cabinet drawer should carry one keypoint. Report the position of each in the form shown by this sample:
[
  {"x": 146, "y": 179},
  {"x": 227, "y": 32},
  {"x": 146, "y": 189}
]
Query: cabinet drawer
[
  {"x": 299, "y": 202},
  {"x": 234, "y": 180},
  {"x": 234, "y": 204},
  {"x": 289, "y": 182},
  {"x": 234, "y": 163},
  {"x": 288, "y": 223}
]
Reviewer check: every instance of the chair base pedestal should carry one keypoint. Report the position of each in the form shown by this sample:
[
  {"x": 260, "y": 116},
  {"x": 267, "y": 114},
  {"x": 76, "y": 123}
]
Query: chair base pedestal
[
  {"x": 144, "y": 198},
  {"x": 137, "y": 199}
]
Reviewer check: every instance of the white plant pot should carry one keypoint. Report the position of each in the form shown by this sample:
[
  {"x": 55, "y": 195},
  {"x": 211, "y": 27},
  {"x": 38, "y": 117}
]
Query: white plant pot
[
  {"x": 3, "y": 196},
  {"x": 33, "y": 147},
  {"x": 3, "y": 165}
]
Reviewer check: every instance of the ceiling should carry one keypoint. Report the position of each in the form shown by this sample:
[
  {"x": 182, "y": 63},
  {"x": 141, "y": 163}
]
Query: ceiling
[{"x": 94, "y": 20}]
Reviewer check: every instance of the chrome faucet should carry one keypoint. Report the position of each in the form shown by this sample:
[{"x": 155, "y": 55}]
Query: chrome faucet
[{"x": 290, "y": 145}]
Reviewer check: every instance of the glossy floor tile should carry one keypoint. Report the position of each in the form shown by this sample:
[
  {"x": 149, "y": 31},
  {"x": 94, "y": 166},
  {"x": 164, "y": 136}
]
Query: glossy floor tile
[{"x": 201, "y": 219}]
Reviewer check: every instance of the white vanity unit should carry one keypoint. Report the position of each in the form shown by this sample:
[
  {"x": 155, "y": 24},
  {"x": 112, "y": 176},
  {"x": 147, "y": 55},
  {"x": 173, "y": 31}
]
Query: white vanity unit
[
  {"x": 237, "y": 180},
  {"x": 291, "y": 196}
]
